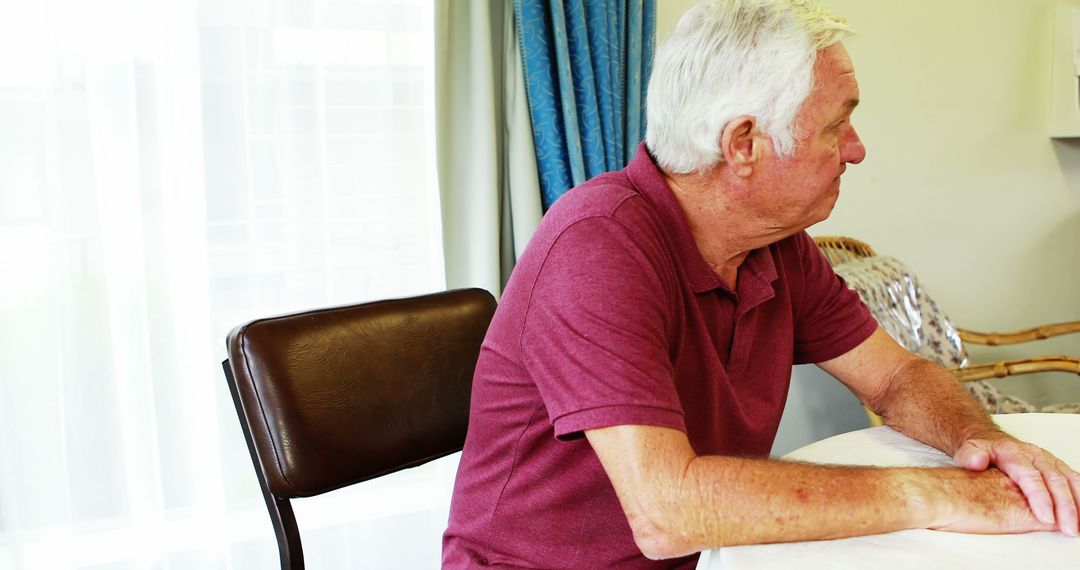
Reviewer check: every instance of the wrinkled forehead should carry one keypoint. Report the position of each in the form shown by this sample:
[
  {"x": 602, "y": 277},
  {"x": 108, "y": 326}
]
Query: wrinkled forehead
[
  {"x": 834, "y": 78},
  {"x": 833, "y": 61},
  {"x": 835, "y": 92}
]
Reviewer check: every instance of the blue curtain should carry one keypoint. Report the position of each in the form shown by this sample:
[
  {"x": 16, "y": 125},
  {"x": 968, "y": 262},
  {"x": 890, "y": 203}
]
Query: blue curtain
[{"x": 586, "y": 66}]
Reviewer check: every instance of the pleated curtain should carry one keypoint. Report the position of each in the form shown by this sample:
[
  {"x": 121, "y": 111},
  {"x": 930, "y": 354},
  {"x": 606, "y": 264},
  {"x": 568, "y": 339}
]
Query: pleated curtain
[
  {"x": 488, "y": 182},
  {"x": 586, "y": 65}
]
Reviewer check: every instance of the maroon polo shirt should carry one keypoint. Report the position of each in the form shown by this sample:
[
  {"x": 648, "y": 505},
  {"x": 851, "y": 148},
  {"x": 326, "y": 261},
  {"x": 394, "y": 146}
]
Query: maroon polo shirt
[{"x": 613, "y": 317}]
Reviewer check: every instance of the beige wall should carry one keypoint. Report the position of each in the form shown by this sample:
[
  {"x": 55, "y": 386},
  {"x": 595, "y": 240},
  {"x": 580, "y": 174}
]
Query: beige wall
[{"x": 961, "y": 180}]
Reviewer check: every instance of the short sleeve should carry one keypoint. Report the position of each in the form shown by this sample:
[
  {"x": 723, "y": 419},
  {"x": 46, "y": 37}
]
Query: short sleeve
[
  {"x": 594, "y": 338},
  {"x": 830, "y": 319}
]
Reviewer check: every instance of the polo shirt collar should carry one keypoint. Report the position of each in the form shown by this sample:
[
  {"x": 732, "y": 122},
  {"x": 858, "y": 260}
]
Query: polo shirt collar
[{"x": 755, "y": 275}]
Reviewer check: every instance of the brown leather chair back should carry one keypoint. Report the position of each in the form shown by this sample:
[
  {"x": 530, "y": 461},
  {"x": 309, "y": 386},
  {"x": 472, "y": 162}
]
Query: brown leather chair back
[{"x": 332, "y": 397}]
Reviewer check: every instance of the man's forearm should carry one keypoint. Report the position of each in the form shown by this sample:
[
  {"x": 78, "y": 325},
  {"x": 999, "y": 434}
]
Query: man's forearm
[
  {"x": 925, "y": 402},
  {"x": 754, "y": 501},
  {"x": 679, "y": 503}
]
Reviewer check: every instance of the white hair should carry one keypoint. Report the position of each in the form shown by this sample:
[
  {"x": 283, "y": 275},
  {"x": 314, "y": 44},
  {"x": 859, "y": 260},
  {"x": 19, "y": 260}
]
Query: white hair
[{"x": 728, "y": 58}]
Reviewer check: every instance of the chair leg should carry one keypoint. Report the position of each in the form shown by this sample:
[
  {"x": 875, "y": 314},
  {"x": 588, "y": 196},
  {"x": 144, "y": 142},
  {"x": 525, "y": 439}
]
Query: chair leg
[
  {"x": 281, "y": 513},
  {"x": 285, "y": 530}
]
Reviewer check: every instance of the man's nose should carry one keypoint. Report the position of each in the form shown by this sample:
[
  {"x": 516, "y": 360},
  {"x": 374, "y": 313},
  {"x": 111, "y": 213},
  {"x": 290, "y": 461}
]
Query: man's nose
[{"x": 852, "y": 150}]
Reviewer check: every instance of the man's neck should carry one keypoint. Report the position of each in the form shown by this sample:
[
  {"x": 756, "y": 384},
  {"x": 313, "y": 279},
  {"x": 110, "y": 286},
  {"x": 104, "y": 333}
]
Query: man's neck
[{"x": 724, "y": 230}]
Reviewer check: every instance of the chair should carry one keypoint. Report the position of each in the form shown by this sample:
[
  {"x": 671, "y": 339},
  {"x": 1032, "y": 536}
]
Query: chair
[
  {"x": 331, "y": 397},
  {"x": 904, "y": 309}
]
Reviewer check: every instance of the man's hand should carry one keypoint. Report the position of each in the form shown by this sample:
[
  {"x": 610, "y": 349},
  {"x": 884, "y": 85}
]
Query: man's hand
[
  {"x": 924, "y": 401},
  {"x": 985, "y": 502},
  {"x": 1051, "y": 487}
]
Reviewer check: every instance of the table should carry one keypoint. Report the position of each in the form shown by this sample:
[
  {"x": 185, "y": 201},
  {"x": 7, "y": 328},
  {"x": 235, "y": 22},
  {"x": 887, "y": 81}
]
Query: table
[{"x": 920, "y": 549}]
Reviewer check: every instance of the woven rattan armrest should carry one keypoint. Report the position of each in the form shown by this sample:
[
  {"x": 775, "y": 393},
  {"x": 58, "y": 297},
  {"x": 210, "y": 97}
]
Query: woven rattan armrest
[
  {"x": 1003, "y": 368},
  {"x": 1014, "y": 337}
]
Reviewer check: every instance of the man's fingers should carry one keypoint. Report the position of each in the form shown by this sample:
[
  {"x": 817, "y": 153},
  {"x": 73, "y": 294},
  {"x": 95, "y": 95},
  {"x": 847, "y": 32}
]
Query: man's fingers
[
  {"x": 1052, "y": 488},
  {"x": 1074, "y": 484},
  {"x": 1021, "y": 470},
  {"x": 1063, "y": 487},
  {"x": 972, "y": 456}
]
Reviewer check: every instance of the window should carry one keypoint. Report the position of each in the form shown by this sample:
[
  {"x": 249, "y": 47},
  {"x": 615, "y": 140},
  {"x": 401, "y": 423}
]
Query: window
[{"x": 168, "y": 170}]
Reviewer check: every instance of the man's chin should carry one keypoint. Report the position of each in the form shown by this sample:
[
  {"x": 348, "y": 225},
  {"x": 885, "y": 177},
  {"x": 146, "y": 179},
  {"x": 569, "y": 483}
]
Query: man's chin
[
  {"x": 830, "y": 203},
  {"x": 822, "y": 216}
]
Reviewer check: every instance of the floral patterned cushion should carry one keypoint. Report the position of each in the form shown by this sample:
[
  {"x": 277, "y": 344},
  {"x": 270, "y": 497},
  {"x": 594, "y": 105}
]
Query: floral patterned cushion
[
  {"x": 899, "y": 302},
  {"x": 1073, "y": 408},
  {"x": 902, "y": 307},
  {"x": 996, "y": 401}
]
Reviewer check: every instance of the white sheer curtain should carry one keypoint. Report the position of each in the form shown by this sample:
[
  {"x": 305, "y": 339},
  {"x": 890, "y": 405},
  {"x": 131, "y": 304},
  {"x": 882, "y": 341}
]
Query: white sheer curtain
[
  {"x": 487, "y": 164},
  {"x": 169, "y": 169}
]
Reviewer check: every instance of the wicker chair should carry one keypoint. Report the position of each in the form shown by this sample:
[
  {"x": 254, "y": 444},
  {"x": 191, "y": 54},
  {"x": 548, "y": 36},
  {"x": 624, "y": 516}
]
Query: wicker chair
[{"x": 900, "y": 303}]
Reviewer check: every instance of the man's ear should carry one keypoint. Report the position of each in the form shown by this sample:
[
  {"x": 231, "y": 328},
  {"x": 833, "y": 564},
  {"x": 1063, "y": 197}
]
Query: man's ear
[{"x": 740, "y": 146}]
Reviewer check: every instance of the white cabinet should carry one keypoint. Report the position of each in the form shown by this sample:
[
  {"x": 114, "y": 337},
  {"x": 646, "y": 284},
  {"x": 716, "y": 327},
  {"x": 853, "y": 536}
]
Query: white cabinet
[{"x": 1065, "y": 74}]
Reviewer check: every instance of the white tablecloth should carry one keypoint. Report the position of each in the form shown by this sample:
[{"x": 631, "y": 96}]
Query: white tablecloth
[{"x": 919, "y": 549}]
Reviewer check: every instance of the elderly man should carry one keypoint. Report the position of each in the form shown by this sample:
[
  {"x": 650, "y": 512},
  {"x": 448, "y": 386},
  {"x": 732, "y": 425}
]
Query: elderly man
[{"x": 631, "y": 384}]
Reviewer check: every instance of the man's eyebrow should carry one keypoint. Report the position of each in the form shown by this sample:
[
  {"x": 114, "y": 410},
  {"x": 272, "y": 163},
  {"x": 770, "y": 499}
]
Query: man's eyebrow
[{"x": 847, "y": 109}]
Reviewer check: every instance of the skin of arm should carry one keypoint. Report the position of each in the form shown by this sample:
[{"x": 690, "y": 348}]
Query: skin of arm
[
  {"x": 910, "y": 392},
  {"x": 678, "y": 502},
  {"x": 923, "y": 400}
]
